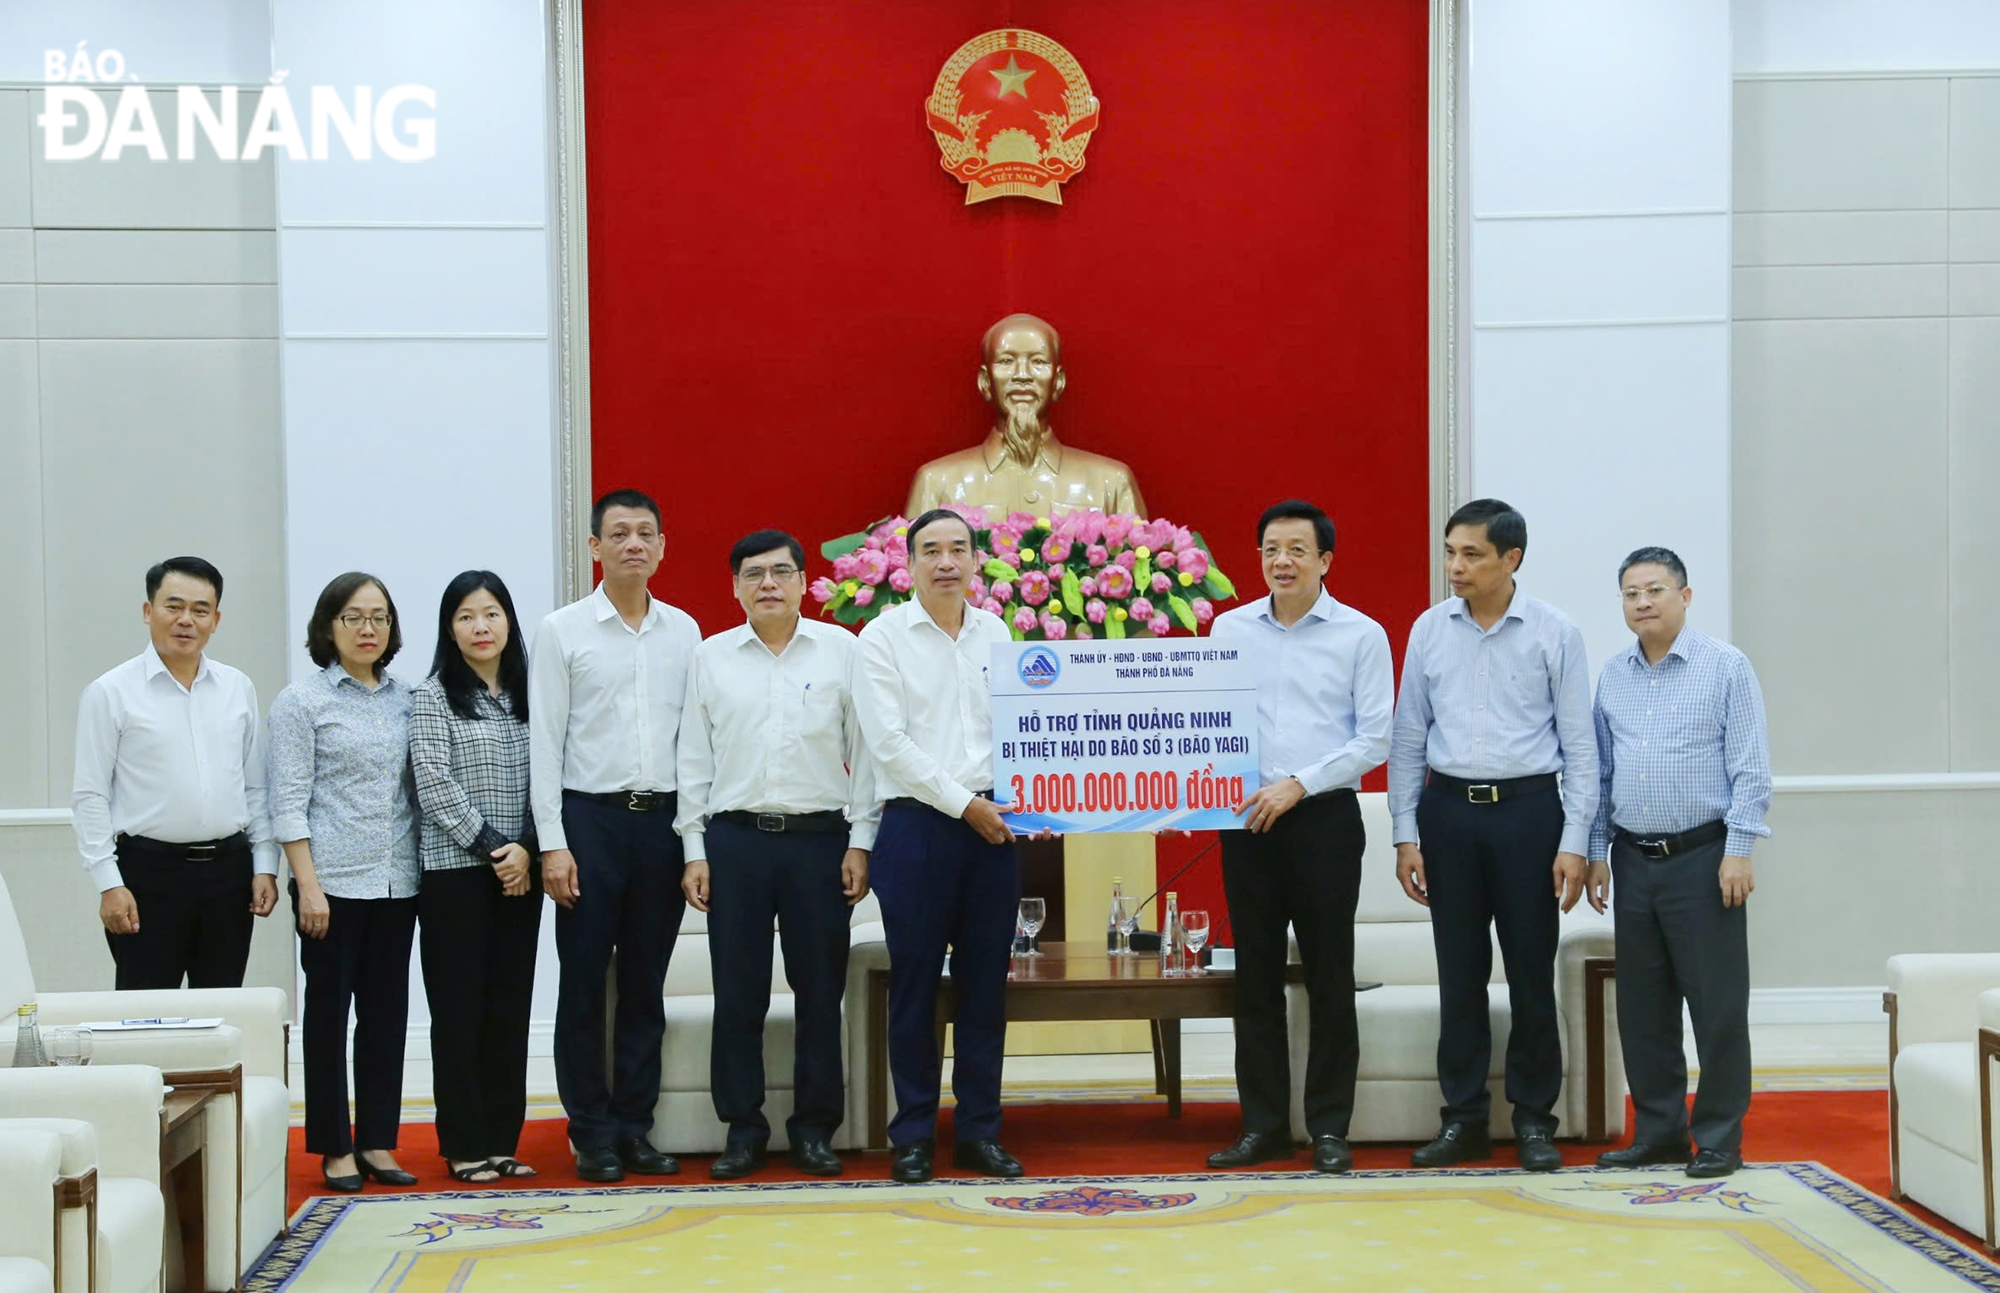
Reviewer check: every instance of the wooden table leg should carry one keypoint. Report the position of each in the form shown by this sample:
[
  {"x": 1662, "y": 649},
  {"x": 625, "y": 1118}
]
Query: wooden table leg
[
  {"x": 1159, "y": 1056},
  {"x": 878, "y": 1059},
  {"x": 1597, "y": 970},
  {"x": 189, "y": 1183},
  {"x": 1168, "y": 1031}
]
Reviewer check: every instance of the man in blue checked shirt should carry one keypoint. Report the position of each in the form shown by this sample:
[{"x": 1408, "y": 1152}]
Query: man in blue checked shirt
[{"x": 1685, "y": 768}]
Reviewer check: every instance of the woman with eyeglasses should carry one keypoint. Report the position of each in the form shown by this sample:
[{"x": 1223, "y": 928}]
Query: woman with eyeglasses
[
  {"x": 480, "y": 900},
  {"x": 343, "y": 805}
]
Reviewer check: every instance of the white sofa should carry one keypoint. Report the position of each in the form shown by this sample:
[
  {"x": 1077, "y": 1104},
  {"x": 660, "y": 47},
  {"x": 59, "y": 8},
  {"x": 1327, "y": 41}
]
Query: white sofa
[
  {"x": 239, "y": 1226},
  {"x": 684, "y": 1121},
  {"x": 1396, "y": 1096},
  {"x": 1944, "y": 1043},
  {"x": 32, "y": 1180},
  {"x": 122, "y": 1105}
]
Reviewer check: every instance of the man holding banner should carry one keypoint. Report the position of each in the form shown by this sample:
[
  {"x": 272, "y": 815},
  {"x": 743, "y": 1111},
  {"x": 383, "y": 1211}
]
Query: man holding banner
[
  {"x": 944, "y": 864},
  {"x": 1325, "y": 692}
]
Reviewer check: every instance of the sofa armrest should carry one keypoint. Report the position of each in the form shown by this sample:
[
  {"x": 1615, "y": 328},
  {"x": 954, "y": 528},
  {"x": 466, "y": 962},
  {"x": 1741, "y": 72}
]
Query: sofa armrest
[
  {"x": 1594, "y": 1066},
  {"x": 30, "y": 1163},
  {"x": 871, "y": 931},
  {"x": 171, "y": 1050},
  {"x": 1989, "y": 1009},
  {"x": 1937, "y": 994},
  {"x": 260, "y": 1014},
  {"x": 122, "y": 1101}
]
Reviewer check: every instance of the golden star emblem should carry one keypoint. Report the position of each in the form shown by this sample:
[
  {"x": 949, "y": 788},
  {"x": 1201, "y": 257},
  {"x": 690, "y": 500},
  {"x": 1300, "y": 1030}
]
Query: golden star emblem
[{"x": 1013, "y": 78}]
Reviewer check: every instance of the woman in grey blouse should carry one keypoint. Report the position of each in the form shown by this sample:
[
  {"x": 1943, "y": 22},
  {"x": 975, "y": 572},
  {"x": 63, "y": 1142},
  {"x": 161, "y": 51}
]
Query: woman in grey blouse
[
  {"x": 344, "y": 807},
  {"x": 480, "y": 902}
]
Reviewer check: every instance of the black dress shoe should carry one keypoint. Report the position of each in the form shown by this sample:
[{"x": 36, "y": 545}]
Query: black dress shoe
[
  {"x": 1459, "y": 1142},
  {"x": 599, "y": 1165},
  {"x": 985, "y": 1157},
  {"x": 736, "y": 1160},
  {"x": 638, "y": 1156},
  {"x": 1674, "y": 1154},
  {"x": 1330, "y": 1155},
  {"x": 384, "y": 1175},
  {"x": 1536, "y": 1148},
  {"x": 343, "y": 1184},
  {"x": 912, "y": 1163},
  {"x": 1253, "y": 1147},
  {"x": 1710, "y": 1163},
  {"x": 815, "y": 1158}
]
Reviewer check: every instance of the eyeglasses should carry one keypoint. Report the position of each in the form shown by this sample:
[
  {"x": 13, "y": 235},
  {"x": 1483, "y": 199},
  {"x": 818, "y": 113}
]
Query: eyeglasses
[
  {"x": 355, "y": 619},
  {"x": 1652, "y": 592},
  {"x": 755, "y": 574}
]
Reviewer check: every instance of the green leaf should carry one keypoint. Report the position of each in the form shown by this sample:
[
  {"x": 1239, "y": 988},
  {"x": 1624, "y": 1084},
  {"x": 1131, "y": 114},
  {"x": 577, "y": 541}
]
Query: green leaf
[
  {"x": 849, "y": 613},
  {"x": 1114, "y": 628},
  {"x": 998, "y": 569},
  {"x": 1072, "y": 594},
  {"x": 1218, "y": 584},
  {"x": 845, "y": 544},
  {"x": 1182, "y": 611},
  {"x": 1142, "y": 575}
]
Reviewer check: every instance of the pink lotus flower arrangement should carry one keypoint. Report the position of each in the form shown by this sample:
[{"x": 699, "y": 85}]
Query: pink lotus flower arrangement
[{"x": 1079, "y": 575}]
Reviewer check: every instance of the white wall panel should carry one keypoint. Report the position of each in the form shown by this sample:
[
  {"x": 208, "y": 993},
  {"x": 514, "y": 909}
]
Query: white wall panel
[
  {"x": 17, "y": 256},
  {"x": 14, "y": 145},
  {"x": 193, "y": 41},
  {"x": 417, "y": 280},
  {"x": 135, "y": 192},
  {"x": 1864, "y": 35},
  {"x": 1840, "y": 291},
  {"x": 1841, "y": 482},
  {"x": 1840, "y": 238},
  {"x": 1975, "y": 290},
  {"x": 156, "y": 255},
  {"x": 1852, "y": 145},
  {"x": 1577, "y": 105},
  {"x": 17, "y": 310},
  {"x": 1974, "y": 431},
  {"x": 24, "y": 710},
  {"x": 159, "y": 310},
  {"x": 1602, "y": 270},
  {"x": 1607, "y": 440},
  {"x": 1975, "y": 235},
  {"x": 485, "y": 61},
  {"x": 1975, "y": 140}
]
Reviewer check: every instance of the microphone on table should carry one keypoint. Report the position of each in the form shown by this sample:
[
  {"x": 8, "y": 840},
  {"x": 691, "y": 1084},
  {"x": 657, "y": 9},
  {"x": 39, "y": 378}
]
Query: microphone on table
[{"x": 1149, "y": 940}]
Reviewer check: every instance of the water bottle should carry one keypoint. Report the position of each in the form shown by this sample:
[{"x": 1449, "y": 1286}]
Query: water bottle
[
  {"x": 27, "y": 1039},
  {"x": 1113, "y": 935},
  {"x": 1170, "y": 935}
]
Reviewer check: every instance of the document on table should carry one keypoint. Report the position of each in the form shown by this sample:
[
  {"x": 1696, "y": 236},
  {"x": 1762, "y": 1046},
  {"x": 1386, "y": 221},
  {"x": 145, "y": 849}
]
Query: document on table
[{"x": 143, "y": 1025}]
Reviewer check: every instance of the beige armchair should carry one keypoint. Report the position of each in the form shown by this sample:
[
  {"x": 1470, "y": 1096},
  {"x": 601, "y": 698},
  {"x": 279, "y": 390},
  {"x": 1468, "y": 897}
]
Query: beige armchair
[
  {"x": 33, "y": 1183},
  {"x": 122, "y": 1105},
  {"x": 247, "y": 1122},
  {"x": 1944, "y": 1042}
]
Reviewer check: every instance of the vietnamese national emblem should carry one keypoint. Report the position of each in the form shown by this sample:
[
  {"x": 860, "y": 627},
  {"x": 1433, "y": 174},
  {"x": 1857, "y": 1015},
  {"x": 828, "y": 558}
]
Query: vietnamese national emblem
[{"x": 1012, "y": 112}]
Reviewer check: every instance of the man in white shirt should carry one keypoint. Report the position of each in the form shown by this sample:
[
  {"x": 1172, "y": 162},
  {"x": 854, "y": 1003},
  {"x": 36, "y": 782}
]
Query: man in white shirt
[
  {"x": 774, "y": 828},
  {"x": 944, "y": 867},
  {"x": 606, "y": 682},
  {"x": 1325, "y": 691},
  {"x": 168, "y": 802}
]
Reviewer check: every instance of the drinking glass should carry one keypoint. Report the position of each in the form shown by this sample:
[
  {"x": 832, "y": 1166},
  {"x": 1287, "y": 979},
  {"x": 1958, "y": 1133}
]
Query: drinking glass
[
  {"x": 68, "y": 1046},
  {"x": 1194, "y": 928},
  {"x": 1125, "y": 913},
  {"x": 1034, "y": 911}
]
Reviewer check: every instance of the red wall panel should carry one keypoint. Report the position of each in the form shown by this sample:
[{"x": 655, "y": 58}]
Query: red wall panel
[{"x": 787, "y": 290}]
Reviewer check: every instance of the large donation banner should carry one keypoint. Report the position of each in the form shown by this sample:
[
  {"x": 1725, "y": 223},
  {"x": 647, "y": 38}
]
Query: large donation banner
[{"x": 1133, "y": 735}]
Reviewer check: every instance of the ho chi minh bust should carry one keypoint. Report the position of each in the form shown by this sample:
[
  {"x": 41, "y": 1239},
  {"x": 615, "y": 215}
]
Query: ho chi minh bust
[{"x": 1022, "y": 467}]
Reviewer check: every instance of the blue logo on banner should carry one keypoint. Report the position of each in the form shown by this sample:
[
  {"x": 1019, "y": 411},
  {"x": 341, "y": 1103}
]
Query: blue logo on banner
[{"x": 1039, "y": 667}]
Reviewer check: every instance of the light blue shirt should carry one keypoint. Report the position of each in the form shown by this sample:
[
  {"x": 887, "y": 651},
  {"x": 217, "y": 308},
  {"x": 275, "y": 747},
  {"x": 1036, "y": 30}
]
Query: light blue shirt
[
  {"x": 1325, "y": 688},
  {"x": 340, "y": 777},
  {"x": 1494, "y": 704},
  {"x": 1682, "y": 743}
]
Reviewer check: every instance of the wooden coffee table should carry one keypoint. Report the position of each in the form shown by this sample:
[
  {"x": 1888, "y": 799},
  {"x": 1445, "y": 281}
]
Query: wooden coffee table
[
  {"x": 184, "y": 1164},
  {"x": 1072, "y": 981}
]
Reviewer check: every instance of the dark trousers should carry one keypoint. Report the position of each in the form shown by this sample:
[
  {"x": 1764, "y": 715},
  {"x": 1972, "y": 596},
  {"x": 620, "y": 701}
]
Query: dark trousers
[
  {"x": 628, "y": 868},
  {"x": 194, "y": 920},
  {"x": 1677, "y": 942},
  {"x": 478, "y": 950},
  {"x": 940, "y": 884},
  {"x": 1490, "y": 867},
  {"x": 755, "y": 877},
  {"x": 1304, "y": 872},
  {"x": 364, "y": 961}
]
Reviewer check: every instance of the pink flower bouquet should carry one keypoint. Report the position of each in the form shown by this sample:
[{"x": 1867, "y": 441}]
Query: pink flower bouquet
[{"x": 1080, "y": 574}]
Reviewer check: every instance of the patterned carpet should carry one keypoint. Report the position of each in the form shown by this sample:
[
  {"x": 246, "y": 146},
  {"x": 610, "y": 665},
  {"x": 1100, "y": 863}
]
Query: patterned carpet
[{"x": 1785, "y": 1226}]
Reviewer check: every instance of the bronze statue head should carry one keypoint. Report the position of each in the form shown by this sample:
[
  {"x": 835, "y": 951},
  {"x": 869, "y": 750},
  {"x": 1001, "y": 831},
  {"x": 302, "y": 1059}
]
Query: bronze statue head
[{"x": 1020, "y": 375}]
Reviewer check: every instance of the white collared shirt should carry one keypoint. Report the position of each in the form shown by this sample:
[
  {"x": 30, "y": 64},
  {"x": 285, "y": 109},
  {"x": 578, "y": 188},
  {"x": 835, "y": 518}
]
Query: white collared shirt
[
  {"x": 178, "y": 764},
  {"x": 1325, "y": 691},
  {"x": 926, "y": 705},
  {"x": 604, "y": 703},
  {"x": 767, "y": 733}
]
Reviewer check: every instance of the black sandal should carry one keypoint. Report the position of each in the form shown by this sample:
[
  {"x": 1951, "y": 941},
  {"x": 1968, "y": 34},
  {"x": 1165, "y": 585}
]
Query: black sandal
[
  {"x": 512, "y": 1168},
  {"x": 469, "y": 1175}
]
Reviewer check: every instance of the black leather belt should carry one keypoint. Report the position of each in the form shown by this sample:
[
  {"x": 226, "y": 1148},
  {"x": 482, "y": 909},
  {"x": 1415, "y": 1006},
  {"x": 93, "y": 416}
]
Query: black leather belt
[
  {"x": 905, "y": 801},
  {"x": 831, "y": 822},
  {"x": 1492, "y": 792},
  {"x": 1661, "y": 846},
  {"x": 202, "y": 852},
  {"x": 635, "y": 801}
]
